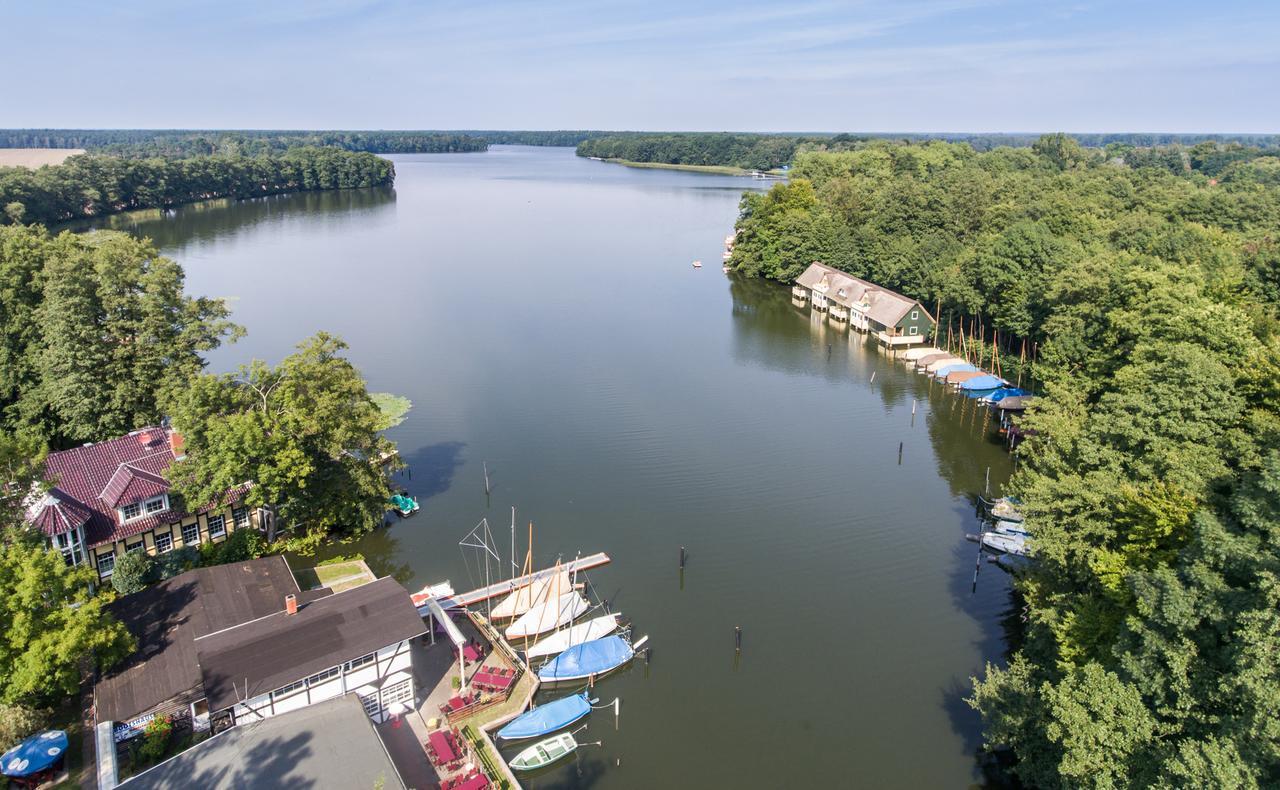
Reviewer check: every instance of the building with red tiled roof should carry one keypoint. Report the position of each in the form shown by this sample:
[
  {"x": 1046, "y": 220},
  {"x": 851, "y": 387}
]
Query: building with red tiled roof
[{"x": 112, "y": 497}]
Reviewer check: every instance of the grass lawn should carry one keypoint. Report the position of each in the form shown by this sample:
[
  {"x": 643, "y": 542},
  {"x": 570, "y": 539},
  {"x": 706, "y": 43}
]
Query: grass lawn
[{"x": 338, "y": 576}]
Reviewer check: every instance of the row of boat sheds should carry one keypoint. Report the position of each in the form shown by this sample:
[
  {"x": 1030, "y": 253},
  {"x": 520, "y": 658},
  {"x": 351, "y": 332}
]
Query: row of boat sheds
[
  {"x": 957, "y": 372},
  {"x": 538, "y": 635}
]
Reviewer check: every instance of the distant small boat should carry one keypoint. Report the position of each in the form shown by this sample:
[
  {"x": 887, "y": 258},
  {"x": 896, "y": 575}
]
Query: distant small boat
[
  {"x": 1007, "y": 543},
  {"x": 544, "y": 753},
  {"x": 1009, "y": 527},
  {"x": 440, "y": 590},
  {"x": 1006, "y": 508},
  {"x": 697, "y": 264},
  {"x": 583, "y": 632},
  {"x": 547, "y": 718},
  {"x": 727, "y": 255},
  {"x": 403, "y": 505}
]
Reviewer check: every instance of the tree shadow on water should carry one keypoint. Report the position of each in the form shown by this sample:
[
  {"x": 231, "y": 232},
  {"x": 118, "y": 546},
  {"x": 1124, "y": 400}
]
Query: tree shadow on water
[{"x": 430, "y": 469}]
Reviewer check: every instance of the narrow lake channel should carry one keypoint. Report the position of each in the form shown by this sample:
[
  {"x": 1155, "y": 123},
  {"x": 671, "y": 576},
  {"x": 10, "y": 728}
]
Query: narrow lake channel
[{"x": 541, "y": 312}]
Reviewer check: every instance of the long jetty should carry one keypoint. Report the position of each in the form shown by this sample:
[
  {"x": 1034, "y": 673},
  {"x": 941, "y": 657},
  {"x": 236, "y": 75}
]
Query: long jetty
[{"x": 508, "y": 586}]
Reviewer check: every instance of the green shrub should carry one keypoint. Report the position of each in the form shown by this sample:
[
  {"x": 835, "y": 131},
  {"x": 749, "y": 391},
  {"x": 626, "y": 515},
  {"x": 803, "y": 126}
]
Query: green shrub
[
  {"x": 177, "y": 561},
  {"x": 134, "y": 571},
  {"x": 155, "y": 740},
  {"x": 19, "y": 721},
  {"x": 243, "y": 544}
]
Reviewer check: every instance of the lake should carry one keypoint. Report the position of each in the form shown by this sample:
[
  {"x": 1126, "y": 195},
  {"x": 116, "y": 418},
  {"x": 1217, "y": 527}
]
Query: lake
[{"x": 541, "y": 312}]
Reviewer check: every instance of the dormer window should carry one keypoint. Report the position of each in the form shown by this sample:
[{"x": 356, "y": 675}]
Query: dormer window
[{"x": 145, "y": 508}]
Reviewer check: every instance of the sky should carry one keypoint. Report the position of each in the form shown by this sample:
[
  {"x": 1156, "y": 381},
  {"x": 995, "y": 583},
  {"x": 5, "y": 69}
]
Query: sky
[{"x": 870, "y": 66}]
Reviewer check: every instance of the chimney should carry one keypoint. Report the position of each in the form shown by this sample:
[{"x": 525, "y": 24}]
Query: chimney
[
  {"x": 175, "y": 444},
  {"x": 291, "y": 604}
]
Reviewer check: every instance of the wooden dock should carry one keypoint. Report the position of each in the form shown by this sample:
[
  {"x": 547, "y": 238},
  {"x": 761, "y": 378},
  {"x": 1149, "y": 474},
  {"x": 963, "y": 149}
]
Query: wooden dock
[{"x": 508, "y": 586}]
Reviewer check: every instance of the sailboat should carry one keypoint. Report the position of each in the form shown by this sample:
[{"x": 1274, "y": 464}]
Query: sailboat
[
  {"x": 583, "y": 632},
  {"x": 589, "y": 659},
  {"x": 530, "y": 595},
  {"x": 549, "y": 615},
  {"x": 547, "y": 718},
  {"x": 544, "y": 753}
]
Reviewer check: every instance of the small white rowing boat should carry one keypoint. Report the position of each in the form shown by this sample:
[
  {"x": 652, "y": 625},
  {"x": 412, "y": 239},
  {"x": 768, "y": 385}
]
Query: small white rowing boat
[
  {"x": 1006, "y": 542},
  {"x": 697, "y": 264},
  {"x": 583, "y": 632},
  {"x": 548, "y": 616},
  {"x": 544, "y": 753}
]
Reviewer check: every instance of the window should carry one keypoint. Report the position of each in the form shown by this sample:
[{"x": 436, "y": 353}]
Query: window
[
  {"x": 69, "y": 545},
  {"x": 217, "y": 526},
  {"x": 191, "y": 534},
  {"x": 915, "y": 314},
  {"x": 289, "y": 689},
  {"x": 915, "y": 331},
  {"x": 155, "y": 505},
  {"x": 321, "y": 677},
  {"x": 401, "y": 692},
  {"x": 240, "y": 516},
  {"x": 130, "y": 548},
  {"x": 131, "y": 511},
  {"x": 106, "y": 564},
  {"x": 164, "y": 542},
  {"x": 362, "y": 661}
]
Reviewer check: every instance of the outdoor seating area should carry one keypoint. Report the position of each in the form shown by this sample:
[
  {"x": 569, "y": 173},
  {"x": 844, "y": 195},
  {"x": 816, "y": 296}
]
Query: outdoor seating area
[
  {"x": 493, "y": 679},
  {"x": 448, "y": 755}
]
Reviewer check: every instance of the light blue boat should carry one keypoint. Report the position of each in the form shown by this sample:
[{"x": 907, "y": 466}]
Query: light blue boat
[
  {"x": 587, "y": 659},
  {"x": 547, "y": 718},
  {"x": 959, "y": 367},
  {"x": 1006, "y": 392},
  {"x": 981, "y": 383}
]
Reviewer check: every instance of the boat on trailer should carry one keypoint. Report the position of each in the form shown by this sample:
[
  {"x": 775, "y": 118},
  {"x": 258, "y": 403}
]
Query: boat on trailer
[
  {"x": 548, "y": 718},
  {"x": 589, "y": 659},
  {"x": 594, "y": 628},
  {"x": 544, "y": 753}
]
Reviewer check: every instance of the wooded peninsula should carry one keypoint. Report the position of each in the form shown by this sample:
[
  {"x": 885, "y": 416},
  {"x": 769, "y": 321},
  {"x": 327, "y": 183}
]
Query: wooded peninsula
[{"x": 1144, "y": 285}]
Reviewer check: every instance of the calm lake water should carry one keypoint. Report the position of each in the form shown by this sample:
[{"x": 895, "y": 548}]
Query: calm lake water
[{"x": 541, "y": 312}]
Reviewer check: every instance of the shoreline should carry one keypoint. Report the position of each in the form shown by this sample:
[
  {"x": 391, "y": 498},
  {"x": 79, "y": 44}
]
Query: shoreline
[{"x": 721, "y": 170}]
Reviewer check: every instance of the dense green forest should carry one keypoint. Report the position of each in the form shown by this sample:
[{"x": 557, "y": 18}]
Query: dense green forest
[
  {"x": 1152, "y": 483},
  {"x": 92, "y": 184},
  {"x": 253, "y": 142},
  {"x": 766, "y": 152},
  {"x": 747, "y": 151}
]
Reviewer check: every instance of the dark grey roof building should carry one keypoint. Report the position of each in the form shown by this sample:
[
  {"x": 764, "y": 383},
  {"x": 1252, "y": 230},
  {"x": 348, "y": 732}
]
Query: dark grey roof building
[{"x": 331, "y": 744}]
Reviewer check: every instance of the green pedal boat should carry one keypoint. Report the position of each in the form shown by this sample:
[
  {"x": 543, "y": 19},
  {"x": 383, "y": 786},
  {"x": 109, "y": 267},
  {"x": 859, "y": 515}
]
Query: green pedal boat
[{"x": 544, "y": 753}]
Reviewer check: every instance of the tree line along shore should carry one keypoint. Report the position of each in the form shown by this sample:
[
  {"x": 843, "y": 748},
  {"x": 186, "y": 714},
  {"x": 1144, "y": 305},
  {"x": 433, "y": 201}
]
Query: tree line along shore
[{"x": 1141, "y": 287}]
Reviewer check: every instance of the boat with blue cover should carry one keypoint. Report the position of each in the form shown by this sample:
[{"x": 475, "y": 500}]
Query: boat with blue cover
[
  {"x": 1005, "y": 392},
  {"x": 547, "y": 718},
  {"x": 589, "y": 659},
  {"x": 987, "y": 382},
  {"x": 958, "y": 367}
]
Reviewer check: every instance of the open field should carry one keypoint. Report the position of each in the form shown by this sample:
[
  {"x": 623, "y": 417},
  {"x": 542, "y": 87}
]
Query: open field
[{"x": 35, "y": 157}]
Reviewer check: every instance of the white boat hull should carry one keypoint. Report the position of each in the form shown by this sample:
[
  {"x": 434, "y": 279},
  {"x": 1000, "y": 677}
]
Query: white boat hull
[
  {"x": 1009, "y": 544},
  {"x": 583, "y": 632},
  {"x": 548, "y": 616},
  {"x": 531, "y": 595}
]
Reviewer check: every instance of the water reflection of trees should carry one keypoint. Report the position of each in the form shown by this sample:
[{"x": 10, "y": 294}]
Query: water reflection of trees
[{"x": 202, "y": 222}]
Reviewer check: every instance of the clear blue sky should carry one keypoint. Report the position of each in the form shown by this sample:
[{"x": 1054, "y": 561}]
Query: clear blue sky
[{"x": 876, "y": 65}]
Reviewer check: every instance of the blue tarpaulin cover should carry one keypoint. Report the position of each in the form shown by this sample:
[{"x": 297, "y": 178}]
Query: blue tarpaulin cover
[
  {"x": 547, "y": 718},
  {"x": 589, "y": 658},
  {"x": 1006, "y": 392},
  {"x": 959, "y": 367},
  {"x": 981, "y": 383},
  {"x": 34, "y": 754}
]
